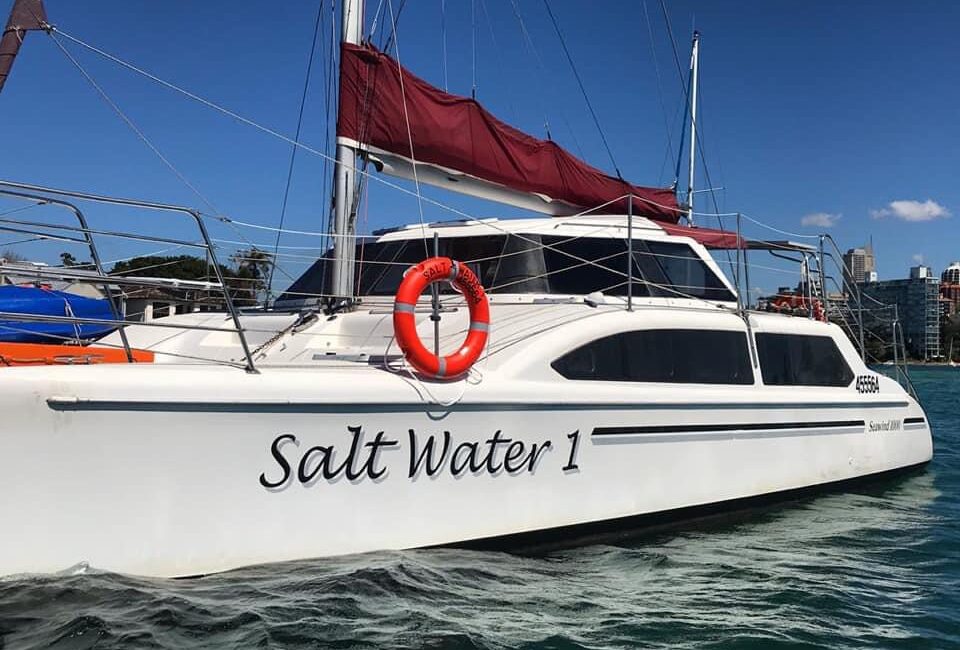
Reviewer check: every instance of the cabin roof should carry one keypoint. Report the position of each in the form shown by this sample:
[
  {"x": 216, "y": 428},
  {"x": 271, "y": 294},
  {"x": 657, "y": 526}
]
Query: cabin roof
[{"x": 603, "y": 226}]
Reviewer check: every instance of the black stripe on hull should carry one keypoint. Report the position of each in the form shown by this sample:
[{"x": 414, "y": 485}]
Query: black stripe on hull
[
  {"x": 637, "y": 526},
  {"x": 914, "y": 421},
  {"x": 716, "y": 428},
  {"x": 171, "y": 406}
]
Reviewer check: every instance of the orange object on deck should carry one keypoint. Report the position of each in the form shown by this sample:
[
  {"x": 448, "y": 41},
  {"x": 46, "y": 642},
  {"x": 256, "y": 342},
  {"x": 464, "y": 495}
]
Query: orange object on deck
[{"x": 41, "y": 354}]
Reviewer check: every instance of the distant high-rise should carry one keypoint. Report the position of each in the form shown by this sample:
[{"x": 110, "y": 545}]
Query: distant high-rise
[
  {"x": 860, "y": 265},
  {"x": 950, "y": 288},
  {"x": 918, "y": 309},
  {"x": 920, "y": 272},
  {"x": 951, "y": 274}
]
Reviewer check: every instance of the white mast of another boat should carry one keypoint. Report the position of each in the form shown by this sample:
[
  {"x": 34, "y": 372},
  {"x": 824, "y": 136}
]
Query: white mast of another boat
[
  {"x": 344, "y": 178},
  {"x": 694, "y": 68}
]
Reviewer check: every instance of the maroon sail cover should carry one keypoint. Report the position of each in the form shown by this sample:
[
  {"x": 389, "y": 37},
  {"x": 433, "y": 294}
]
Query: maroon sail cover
[
  {"x": 26, "y": 15},
  {"x": 709, "y": 237},
  {"x": 457, "y": 133}
]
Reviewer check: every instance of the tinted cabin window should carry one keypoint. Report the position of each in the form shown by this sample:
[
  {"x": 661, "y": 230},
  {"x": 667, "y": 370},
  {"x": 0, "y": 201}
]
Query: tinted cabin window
[
  {"x": 670, "y": 356},
  {"x": 685, "y": 272},
  {"x": 797, "y": 360},
  {"x": 532, "y": 264}
]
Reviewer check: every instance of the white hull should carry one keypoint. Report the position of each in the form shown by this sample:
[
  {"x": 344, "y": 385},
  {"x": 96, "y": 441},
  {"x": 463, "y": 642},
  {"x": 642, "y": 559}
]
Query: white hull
[{"x": 154, "y": 482}]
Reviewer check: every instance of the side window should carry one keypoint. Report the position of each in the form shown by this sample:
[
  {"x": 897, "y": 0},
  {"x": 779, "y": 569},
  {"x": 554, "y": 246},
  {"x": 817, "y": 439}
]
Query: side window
[
  {"x": 602, "y": 359},
  {"x": 800, "y": 360},
  {"x": 668, "y": 356}
]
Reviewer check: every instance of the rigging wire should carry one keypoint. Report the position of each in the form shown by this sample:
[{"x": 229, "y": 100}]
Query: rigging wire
[
  {"x": 406, "y": 118},
  {"x": 473, "y": 49},
  {"x": 22, "y": 208},
  {"x": 532, "y": 51},
  {"x": 583, "y": 90},
  {"x": 20, "y": 241},
  {"x": 535, "y": 54},
  {"x": 294, "y": 150},
  {"x": 139, "y": 132},
  {"x": 498, "y": 58},
  {"x": 376, "y": 20},
  {"x": 321, "y": 154},
  {"x": 443, "y": 40},
  {"x": 130, "y": 123},
  {"x": 133, "y": 127},
  {"x": 394, "y": 21},
  {"x": 683, "y": 85},
  {"x": 663, "y": 106}
]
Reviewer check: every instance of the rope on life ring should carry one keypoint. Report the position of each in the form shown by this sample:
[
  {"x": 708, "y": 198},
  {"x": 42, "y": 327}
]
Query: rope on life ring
[{"x": 418, "y": 278}]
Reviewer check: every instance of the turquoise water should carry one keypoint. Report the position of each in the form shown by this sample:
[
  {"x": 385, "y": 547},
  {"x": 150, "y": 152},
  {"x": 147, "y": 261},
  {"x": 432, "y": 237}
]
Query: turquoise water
[{"x": 878, "y": 566}]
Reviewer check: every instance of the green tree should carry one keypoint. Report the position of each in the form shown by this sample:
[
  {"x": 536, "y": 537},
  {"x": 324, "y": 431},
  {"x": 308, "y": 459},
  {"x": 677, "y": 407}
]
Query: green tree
[
  {"x": 253, "y": 266},
  {"x": 242, "y": 284},
  {"x": 12, "y": 256},
  {"x": 951, "y": 336}
]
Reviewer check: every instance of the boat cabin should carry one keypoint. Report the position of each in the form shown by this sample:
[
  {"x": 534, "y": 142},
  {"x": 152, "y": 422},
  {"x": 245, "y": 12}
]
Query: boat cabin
[{"x": 574, "y": 256}]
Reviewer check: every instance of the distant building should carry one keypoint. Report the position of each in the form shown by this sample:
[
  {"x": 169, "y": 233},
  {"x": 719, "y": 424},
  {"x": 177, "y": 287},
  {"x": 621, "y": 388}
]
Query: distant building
[
  {"x": 951, "y": 275},
  {"x": 144, "y": 304},
  {"x": 918, "y": 307},
  {"x": 950, "y": 288},
  {"x": 860, "y": 265}
]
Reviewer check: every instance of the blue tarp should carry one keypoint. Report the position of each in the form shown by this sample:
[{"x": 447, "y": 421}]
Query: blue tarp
[{"x": 38, "y": 301}]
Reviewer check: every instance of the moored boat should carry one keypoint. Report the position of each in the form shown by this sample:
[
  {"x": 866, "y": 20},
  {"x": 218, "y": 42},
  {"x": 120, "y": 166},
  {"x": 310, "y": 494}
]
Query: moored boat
[
  {"x": 620, "y": 379},
  {"x": 28, "y": 300}
]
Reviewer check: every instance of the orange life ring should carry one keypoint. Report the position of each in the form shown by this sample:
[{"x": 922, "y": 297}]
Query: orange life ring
[{"x": 418, "y": 278}]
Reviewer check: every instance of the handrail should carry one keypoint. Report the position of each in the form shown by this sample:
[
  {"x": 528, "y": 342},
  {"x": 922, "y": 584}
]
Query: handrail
[
  {"x": 902, "y": 375},
  {"x": 29, "y": 192}
]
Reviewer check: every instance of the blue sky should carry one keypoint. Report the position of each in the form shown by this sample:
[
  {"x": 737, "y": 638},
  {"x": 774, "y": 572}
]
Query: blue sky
[{"x": 815, "y": 114}]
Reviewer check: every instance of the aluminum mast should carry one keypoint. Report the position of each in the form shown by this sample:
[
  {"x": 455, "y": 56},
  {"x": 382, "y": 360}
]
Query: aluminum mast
[
  {"x": 694, "y": 60},
  {"x": 344, "y": 180}
]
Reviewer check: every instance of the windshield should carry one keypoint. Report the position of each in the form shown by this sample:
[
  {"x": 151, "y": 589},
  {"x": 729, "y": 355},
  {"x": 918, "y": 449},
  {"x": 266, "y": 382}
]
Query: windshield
[{"x": 541, "y": 264}]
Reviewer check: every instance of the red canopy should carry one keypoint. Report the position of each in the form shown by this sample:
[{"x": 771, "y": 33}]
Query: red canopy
[
  {"x": 378, "y": 99},
  {"x": 25, "y": 15},
  {"x": 709, "y": 237}
]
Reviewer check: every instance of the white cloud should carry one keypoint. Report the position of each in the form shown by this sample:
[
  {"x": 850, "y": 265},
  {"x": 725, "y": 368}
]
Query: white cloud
[
  {"x": 912, "y": 211},
  {"x": 918, "y": 258},
  {"x": 820, "y": 220}
]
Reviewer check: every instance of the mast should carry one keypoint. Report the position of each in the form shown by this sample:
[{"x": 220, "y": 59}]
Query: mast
[
  {"x": 694, "y": 69},
  {"x": 344, "y": 180}
]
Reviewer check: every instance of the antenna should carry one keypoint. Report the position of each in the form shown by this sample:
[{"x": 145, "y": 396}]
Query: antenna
[{"x": 694, "y": 69}]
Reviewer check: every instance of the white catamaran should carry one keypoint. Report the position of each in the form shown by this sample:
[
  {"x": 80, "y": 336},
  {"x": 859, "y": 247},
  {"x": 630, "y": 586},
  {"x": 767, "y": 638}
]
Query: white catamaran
[{"x": 593, "y": 370}]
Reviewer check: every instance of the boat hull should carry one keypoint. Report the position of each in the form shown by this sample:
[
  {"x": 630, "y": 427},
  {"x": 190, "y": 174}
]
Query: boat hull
[{"x": 154, "y": 483}]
